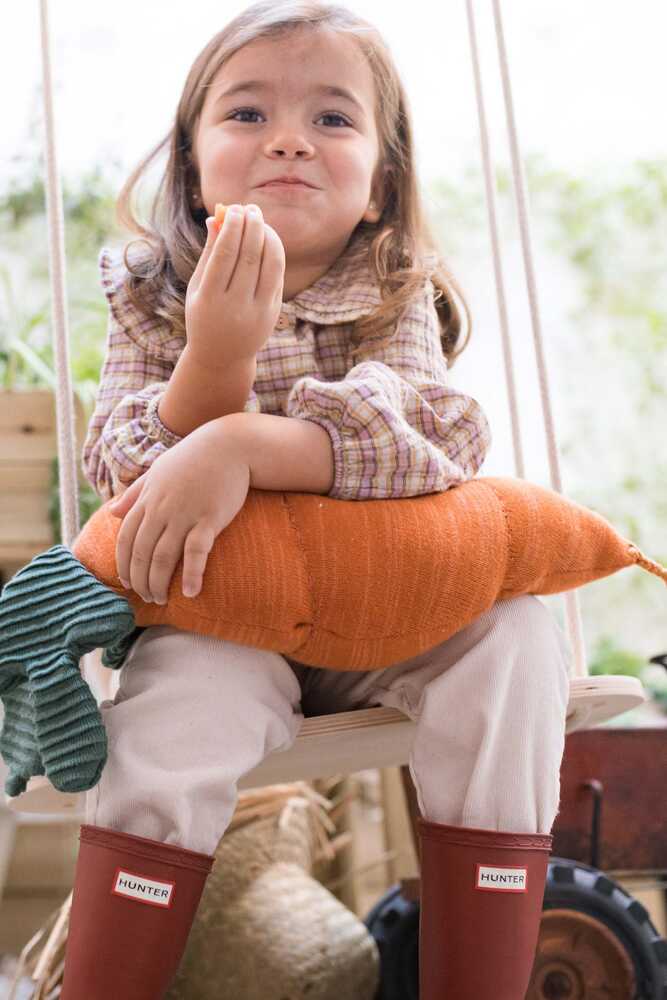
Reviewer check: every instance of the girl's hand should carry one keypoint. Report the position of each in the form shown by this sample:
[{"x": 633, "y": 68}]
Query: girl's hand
[
  {"x": 177, "y": 509},
  {"x": 235, "y": 294}
]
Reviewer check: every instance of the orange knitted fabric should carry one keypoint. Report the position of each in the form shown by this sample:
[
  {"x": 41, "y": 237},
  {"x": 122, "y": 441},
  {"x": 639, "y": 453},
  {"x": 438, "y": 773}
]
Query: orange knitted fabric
[{"x": 359, "y": 585}]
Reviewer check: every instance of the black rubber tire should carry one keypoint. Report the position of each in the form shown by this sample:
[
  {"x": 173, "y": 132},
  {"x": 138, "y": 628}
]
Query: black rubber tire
[
  {"x": 394, "y": 924},
  {"x": 576, "y": 886}
]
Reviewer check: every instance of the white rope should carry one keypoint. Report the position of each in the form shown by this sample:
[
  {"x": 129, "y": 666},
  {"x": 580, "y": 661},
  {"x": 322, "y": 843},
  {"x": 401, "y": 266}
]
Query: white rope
[
  {"x": 571, "y": 597},
  {"x": 67, "y": 459},
  {"x": 490, "y": 187},
  {"x": 66, "y": 428}
]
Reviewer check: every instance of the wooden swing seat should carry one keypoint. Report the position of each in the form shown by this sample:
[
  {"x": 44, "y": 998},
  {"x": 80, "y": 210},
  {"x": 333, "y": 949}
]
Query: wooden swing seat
[{"x": 346, "y": 742}]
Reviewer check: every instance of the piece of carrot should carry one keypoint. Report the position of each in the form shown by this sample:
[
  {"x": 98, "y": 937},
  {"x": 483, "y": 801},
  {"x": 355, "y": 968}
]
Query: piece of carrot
[{"x": 219, "y": 217}]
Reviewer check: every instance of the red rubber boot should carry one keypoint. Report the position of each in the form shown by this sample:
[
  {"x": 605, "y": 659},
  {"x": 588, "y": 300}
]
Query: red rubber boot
[
  {"x": 481, "y": 903},
  {"x": 133, "y": 906}
]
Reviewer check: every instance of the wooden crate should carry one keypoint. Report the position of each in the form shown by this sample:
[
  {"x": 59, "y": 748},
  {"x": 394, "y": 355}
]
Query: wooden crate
[
  {"x": 28, "y": 445},
  {"x": 39, "y": 878},
  {"x": 628, "y": 764}
]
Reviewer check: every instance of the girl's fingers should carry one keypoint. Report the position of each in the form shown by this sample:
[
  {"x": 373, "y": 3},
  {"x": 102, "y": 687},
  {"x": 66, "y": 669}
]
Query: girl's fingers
[
  {"x": 198, "y": 545},
  {"x": 244, "y": 279},
  {"x": 212, "y": 232},
  {"x": 144, "y": 541},
  {"x": 166, "y": 556},
  {"x": 222, "y": 258},
  {"x": 120, "y": 505},
  {"x": 125, "y": 542}
]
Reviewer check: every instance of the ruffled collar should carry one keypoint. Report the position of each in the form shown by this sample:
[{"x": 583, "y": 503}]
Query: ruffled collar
[{"x": 342, "y": 294}]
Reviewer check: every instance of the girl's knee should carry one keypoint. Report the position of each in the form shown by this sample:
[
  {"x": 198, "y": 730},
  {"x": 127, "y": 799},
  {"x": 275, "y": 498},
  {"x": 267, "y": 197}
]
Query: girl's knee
[
  {"x": 527, "y": 628},
  {"x": 199, "y": 667},
  {"x": 525, "y": 618},
  {"x": 526, "y": 611}
]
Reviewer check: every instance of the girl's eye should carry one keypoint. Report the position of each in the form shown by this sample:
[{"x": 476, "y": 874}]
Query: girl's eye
[
  {"x": 334, "y": 114},
  {"x": 243, "y": 111},
  {"x": 252, "y": 111}
]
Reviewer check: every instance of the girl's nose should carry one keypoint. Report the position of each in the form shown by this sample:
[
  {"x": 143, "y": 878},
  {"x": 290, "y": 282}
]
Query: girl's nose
[{"x": 289, "y": 142}]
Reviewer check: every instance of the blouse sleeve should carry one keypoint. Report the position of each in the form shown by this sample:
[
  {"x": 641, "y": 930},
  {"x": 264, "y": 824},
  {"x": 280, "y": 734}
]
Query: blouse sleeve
[
  {"x": 398, "y": 428},
  {"x": 125, "y": 434}
]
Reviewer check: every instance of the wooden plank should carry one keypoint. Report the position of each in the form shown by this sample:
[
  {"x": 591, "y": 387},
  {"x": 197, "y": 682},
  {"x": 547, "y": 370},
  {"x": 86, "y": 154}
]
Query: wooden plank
[
  {"x": 338, "y": 744},
  {"x": 28, "y": 446},
  {"x": 14, "y": 557},
  {"x": 397, "y": 825},
  {"x": 24, "y": 477},
  {"x": 24, "y": 518},
  {"x": 43, "y": 858},
  {"x": 345, "y": 742},
  {"x": 33, "y": 407},
  {"x": 28, "y": 427},
  {"x": 347, "y": 823}
]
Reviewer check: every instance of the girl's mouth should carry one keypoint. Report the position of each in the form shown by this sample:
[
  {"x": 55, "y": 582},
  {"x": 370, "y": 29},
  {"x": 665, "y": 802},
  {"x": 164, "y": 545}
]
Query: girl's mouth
[{"x": 287, "y": 185}]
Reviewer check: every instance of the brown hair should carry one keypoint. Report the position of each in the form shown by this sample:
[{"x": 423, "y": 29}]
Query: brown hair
[{"x": 401, "y": 248}]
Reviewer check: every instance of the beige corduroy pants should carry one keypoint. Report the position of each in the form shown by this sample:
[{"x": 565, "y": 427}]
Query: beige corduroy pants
[{"x": 194, "y": 713}]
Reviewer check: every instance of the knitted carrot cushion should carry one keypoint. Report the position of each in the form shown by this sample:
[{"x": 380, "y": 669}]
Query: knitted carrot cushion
[{"x": 359, "y": 585}]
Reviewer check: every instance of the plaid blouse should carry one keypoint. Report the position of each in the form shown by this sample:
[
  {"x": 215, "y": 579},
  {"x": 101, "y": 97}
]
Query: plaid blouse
[{"x": 398, "y": 428}]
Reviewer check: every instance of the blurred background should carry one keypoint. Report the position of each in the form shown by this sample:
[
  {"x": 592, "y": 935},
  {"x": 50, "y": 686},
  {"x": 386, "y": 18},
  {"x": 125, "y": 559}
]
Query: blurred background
[{"x": 588, "y": 83}]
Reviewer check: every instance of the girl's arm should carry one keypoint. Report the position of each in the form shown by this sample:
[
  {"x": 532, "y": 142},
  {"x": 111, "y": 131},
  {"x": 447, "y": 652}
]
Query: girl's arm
[
  {"x": 398, "y": 428},
  {"x": 126, "y": 434},
  {"x": 393, "y": 427},
  {"x": 282, "y": 453},
  {"x": 231, "y": 308},
  {"x": 198, "y": 393}
]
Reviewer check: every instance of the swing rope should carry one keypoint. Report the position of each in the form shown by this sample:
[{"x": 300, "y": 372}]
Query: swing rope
[
  {"x": 570, "y": 597},
  {"x": 67, "y": 459},
  {"x": 68, "y": 485}
]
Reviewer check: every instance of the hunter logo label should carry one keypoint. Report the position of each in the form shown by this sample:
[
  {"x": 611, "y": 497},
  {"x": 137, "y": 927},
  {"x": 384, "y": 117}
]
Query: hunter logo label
[
  {"x": 144, "y": 890},
  {"x": 501, "y": 879}
]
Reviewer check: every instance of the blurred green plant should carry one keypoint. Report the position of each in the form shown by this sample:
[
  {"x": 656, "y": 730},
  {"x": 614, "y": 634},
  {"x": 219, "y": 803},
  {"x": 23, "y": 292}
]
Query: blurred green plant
[
  {"x": 654, "y": 679},
  {"x": 608, "y": 658},
  {"x": 608, "y": 344},
  {"x": 26, "y": 349}
]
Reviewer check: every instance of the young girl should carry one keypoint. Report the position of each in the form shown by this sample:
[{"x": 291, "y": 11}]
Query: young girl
[{"x": 305, "y": 346}]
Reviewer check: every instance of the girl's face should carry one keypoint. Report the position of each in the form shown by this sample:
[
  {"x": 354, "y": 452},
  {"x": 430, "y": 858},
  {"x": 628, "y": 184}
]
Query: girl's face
[{"x": 285, "y": 123}]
